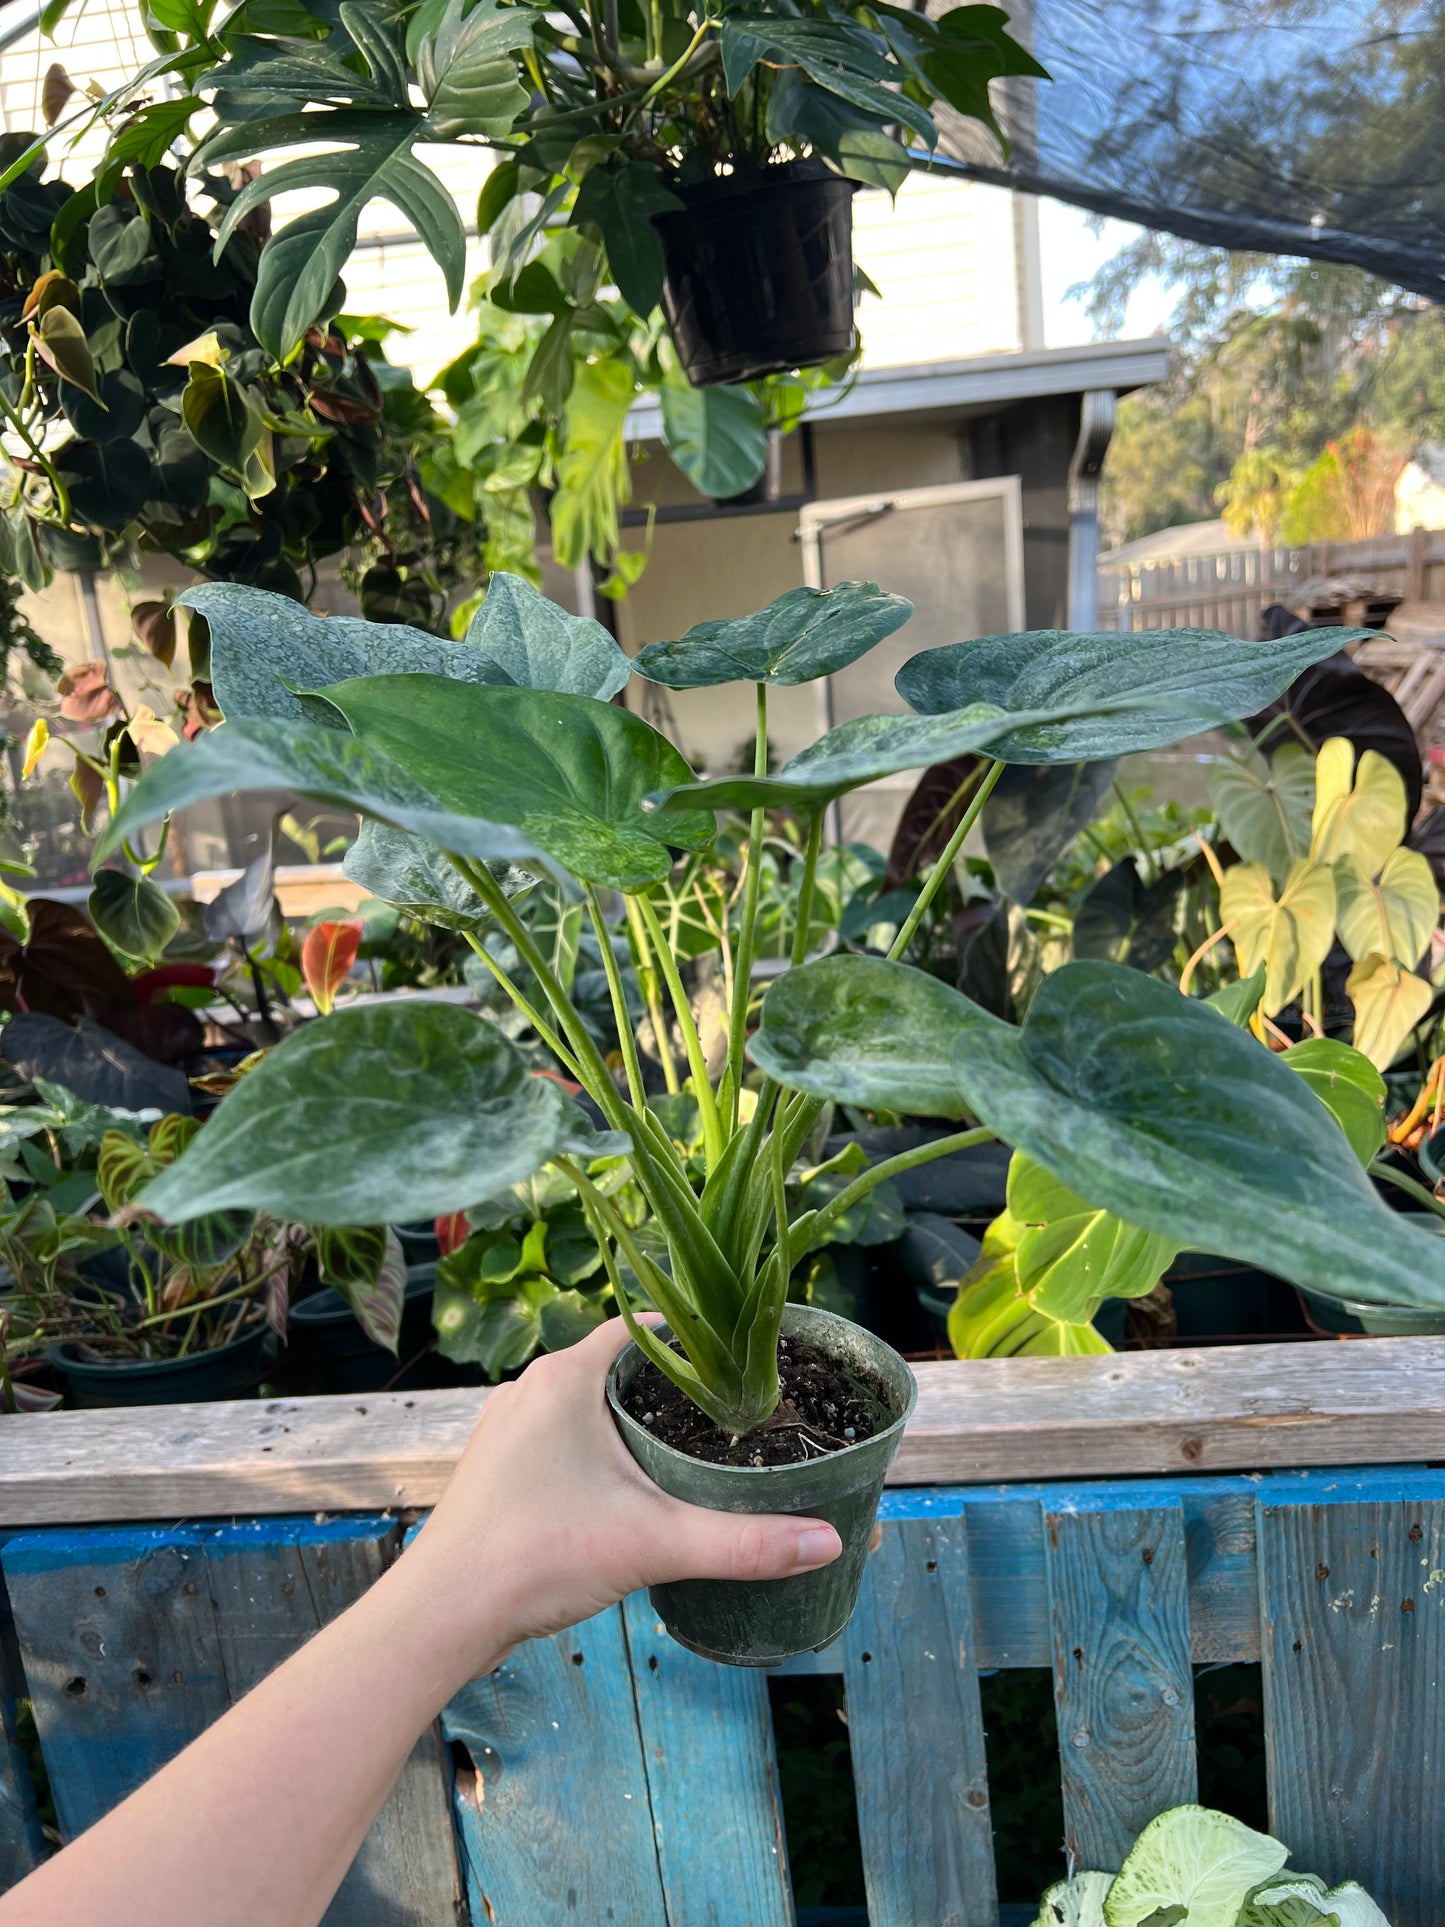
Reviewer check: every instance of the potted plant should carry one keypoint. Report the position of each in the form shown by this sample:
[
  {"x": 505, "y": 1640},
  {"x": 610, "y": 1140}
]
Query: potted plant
[
  {"x": 750, "y": 127},
  {"x": 475, "y": 770}
]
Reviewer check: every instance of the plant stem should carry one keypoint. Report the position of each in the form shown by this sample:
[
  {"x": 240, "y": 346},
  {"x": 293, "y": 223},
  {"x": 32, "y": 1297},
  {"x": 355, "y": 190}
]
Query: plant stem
[
  {"x": 697, "y": 1063},
  {"x": 876, "y": 1175},
  {"x": 647, "y": 977},
  {"x": 534, "y": 1017},
  {"x": 748, "y": 932},
  {"x": 664, "y": 80},
  {"x": 1410, "y": 1186},
  {"x": 944, "y": 863},
  {"x": 805, "y": 894},
  {"x": 619, "y": 1001}
]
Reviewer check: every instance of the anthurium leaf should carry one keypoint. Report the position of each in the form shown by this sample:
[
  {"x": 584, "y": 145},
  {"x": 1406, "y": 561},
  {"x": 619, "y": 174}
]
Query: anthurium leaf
[
  {"x": 1032, "y": 817},
  {"x": 619, "y": 199},
  {"x": 414, "y": 875},
  {"x": 536, "y": 645},
  {"x": 264, "y": 647},
  {"x": 569, "y": 772},
  {"x": 716, "y": 436},
  {"x": 381, "y": 1111},
  {"x": 1241, "y": 1159},
  {"x": 134, "y": 913},
  {"x": 1348, "y": 1085},
  {"x": 1176, "y": 681},
  {"x": 1071, "y": 1255},
  {"x": 367, "y": 1265},
  {"x": 328, "y": 765},
  {"x": 798, "y": 637},
  {"x": 1195, "y": 1858},
  {"x": 1264, "y": 807},
  {"x": 1395, "y": 915},
  {"x": 1123, "y": 919},
  {"x": 1290, "y": 935},
  {"x": 854, "y": 753},
  {"x": 1389, "y": 1001},
  {"x": 467, "y": 70},
  {"x": 1359, "y": 811}
]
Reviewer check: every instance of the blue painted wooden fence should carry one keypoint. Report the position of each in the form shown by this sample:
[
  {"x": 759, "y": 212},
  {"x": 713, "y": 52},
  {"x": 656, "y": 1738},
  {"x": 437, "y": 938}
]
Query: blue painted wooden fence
[{"x": 609, "y": 1776}]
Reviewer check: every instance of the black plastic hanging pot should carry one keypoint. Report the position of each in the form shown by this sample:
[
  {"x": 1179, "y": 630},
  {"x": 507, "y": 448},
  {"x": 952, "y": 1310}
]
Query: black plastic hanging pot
[
  {"x": 759, "y": 1622},
  {"x": 759, "y": 272},
  {"x": 233, "y": 1370}
]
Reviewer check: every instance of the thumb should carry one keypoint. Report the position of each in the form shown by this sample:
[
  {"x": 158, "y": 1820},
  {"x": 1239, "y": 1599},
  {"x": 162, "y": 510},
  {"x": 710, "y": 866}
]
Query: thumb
[{"x": 699, "y": 1544}]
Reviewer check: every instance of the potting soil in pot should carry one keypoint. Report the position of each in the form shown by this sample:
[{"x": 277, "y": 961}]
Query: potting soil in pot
[{"x": 822, "y": 1410}]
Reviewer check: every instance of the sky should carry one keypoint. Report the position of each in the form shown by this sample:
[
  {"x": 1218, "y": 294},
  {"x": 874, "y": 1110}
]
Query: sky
[{"x": 1070, "y": 253}]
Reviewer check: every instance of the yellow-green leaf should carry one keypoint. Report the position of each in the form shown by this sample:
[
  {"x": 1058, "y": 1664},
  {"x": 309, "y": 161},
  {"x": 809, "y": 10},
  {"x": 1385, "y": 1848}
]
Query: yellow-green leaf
[
  {"x": 1071, "y": 1256},
  {"x": 1290, "y": 935},
  {"x": 1395, "y": 914},
  {"x": 1389, "y": 1001},
  {"x": 1264, "y": 806},
  {"x": 60, "y": 341},
  {"x": 592, "y": 479},
  {"x": 1359, "y": 812},
  {"x": 36, "y": 744}
]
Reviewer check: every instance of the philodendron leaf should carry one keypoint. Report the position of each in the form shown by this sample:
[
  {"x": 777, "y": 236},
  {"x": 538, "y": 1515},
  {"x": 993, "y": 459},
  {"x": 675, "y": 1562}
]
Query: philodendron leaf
[
  {"x": 265, "y": 647},
  {"x": 1032, "y": 817},
  {"x": 1195, "y": 1858},
  {"x": 382, "y": 1111},
  {"x": 1348, "y": 1085},
  {"x": 569, "y": 772},
  {"x": 1264, "y": 806},
  {"x": 1145, "y": 1103},
  {"x": 327, "y": 765},
  {"x": 800, "y": 636},
  {"x": 1070, "y": 1254},
  {"x": 1162, "y": 684},
  {"x": 1394, "y": 915},
  {"x": 1359, "y": 812},
  {"x": 852, "y": 754},
  {"x": 415, "y": 876},
  {"x": 1290, "y": 935},
  {"x": 536, "y": 645},
  {"x": 1389, "y": 1001},
  {"x": 134, "y": 913}
]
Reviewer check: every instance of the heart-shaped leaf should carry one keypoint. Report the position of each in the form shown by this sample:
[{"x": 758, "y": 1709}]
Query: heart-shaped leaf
[
  {"x": 1290, "y": 934},
  {"x": 800, "y": 636},
  {"x": 384, "y": 1111},
  {"x": 264, "y": 647},
  {"x": 1123, "y": 919},
  {"x": 328, "y": 765},
  {"x": 535, "y": 645},
  {"x": 327, "y": 954},
  {"x": 415, "y": 876},
  {"x": 133, "y": 913},
  {"x": 1359, "y": 812},
  {"x": 1395, "y": 915},
  {"x": 1348, "y": 1085},
  {"x": 1034, "y": 814},
  {"x": 715, "y": 435},
  {"x": 568, "y": 771},
  {"x": 1071, "y": 1255},
  {"x": 1264, "y": 807},
  {"x": 1389, "y": 1001},
  {"x": 497, "y": 1328},
  {"x": 1167, "y": 683},
  {"x": 1145, "y": 1103}
]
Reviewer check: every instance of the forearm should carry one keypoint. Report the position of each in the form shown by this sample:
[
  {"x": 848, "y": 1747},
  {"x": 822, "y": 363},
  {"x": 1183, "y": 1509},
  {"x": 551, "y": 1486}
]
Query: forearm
[{"x": 259, "y": 1818}]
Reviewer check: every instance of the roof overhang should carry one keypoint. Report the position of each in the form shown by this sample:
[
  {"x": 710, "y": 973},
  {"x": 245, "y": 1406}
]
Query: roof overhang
[{"x": 940, "y": 389}]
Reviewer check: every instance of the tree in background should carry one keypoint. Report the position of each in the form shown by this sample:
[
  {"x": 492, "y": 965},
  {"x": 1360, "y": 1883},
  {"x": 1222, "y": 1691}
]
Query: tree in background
[{"x": 1296, "y": 385}]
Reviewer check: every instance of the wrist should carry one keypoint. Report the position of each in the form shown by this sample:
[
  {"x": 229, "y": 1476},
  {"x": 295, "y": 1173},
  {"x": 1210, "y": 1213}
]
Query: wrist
[{"x": 438, "y": 1633}]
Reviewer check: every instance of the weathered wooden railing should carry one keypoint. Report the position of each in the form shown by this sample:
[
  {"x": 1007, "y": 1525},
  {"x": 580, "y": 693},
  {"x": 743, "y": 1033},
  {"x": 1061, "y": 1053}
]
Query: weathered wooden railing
[{"x": 1119, "y": 1521}]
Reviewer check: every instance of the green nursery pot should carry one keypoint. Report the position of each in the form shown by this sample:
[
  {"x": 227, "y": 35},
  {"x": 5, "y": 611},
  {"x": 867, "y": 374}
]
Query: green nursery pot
[{"x": 759, "y": 1622}]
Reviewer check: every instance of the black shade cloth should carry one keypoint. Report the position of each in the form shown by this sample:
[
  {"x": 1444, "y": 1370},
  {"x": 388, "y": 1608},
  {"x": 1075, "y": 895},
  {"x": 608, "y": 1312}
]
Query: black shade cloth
[{"x": 1276, "y": 126}]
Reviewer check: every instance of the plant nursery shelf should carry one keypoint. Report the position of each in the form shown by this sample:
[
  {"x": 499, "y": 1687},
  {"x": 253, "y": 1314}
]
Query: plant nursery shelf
[{"x": 1130, "y": 1414}]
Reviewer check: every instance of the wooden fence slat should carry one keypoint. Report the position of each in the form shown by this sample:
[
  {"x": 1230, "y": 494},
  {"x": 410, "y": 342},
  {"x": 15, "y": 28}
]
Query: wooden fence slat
[
  {"x": 1123, "y": 1682},
  {"x": 915, "y": 1728},
  {"x": 135, "y": 1640},
  {"x": 1353, "y": 1603},
  {"x": 22, "y": 1847},
  {"x": 712, "y": 1772},
  {"x": 551, "y": 1801}
]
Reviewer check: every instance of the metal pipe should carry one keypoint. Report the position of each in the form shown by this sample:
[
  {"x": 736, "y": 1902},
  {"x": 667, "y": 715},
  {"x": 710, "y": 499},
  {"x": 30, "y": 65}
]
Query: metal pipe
[{"x": 1096, "y": 427}]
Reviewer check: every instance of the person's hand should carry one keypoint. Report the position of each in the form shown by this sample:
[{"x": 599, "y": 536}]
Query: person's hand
[{"x": 548, "y": 1518}]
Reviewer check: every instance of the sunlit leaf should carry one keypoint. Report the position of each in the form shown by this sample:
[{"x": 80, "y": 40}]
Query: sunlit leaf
[
  {"x": 1389, "y": 1001},
  {"x": 1290, "y": 935}
]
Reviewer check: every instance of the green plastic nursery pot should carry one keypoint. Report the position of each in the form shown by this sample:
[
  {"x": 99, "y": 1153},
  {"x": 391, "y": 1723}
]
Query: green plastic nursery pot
[
  {"x": 759, "y": 1622},
  {"x": 1351, "y": 1317}
]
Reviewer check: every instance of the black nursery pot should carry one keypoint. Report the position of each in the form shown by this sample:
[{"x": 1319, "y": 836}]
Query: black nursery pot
[
  {"x": 334, "y": 1352},
  {"x": 759, "y": 1622},
  {"x": 230, "y": 1371},
  {"x": 759, "y": 272}
]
